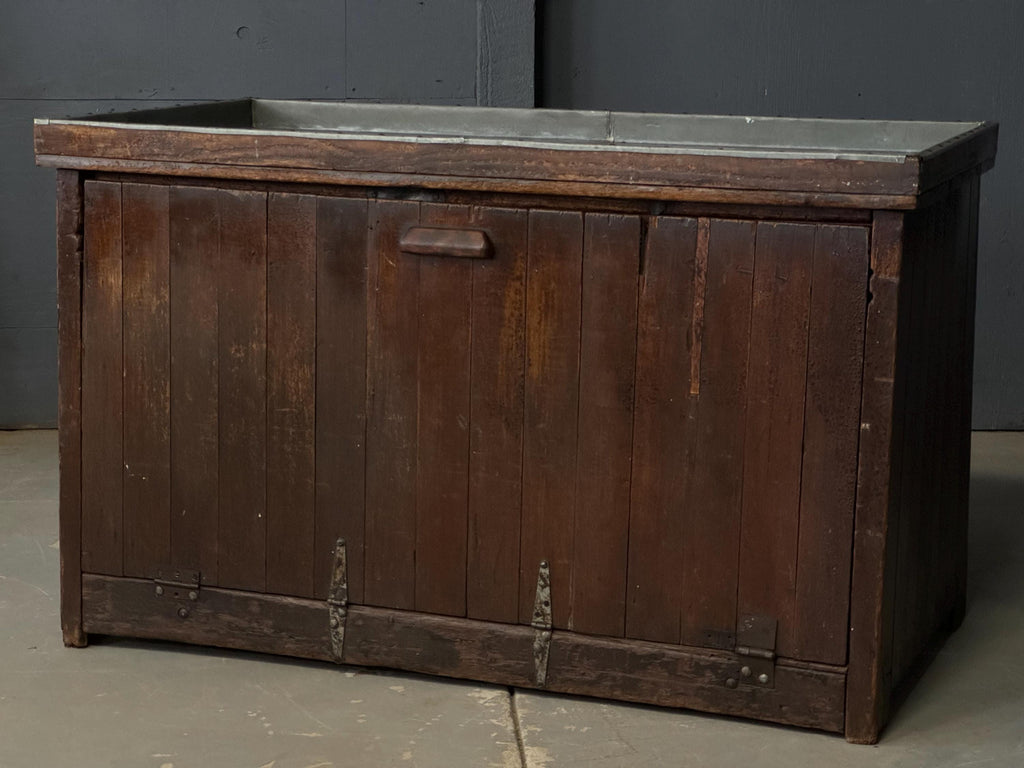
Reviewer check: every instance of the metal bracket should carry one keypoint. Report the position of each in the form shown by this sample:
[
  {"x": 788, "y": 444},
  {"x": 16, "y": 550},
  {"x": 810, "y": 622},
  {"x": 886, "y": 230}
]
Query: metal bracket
[
  {"x": 180, "y": 584},
  {"x": 542, "y": 623},
  {"x": 755, "y": 649},
  {"x": 337, "y": 601}
]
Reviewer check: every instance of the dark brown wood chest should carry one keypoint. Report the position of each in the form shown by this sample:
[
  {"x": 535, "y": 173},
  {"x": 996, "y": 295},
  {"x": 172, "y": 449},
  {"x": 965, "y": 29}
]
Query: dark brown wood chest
[{"x": 669, "y": 409}]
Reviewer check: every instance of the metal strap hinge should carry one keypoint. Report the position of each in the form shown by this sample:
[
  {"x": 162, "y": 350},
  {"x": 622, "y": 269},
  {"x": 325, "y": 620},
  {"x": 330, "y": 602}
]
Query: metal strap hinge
[
  {"x": 542, "y": 623},
  {"x": 755, "y": 651},
  {"x": 337, "y": 601}
]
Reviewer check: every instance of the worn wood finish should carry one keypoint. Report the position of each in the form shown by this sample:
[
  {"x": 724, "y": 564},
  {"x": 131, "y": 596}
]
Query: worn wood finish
[
  {"x": 695, "y": 402},
  {"x": 291, "y": 316},
  {"x": 102, "y": 405},
  {"x": 195, "y": 275},
  {"x": 341, "y": 302},
  {"x": 242, "y": 416},
  {"x": 835, "y": 352},
  {"x": 497, "y": 382},
  {"x": 70, "y": 218},
  {"x": 773, "y": 441},
  {"x": 878, "y": 476},
  {"x": 444, "y": 300},
  {"x": 662, "y": 430},
  {"x": 147, "y": 378},
  {"x": 714, "y": 485},
  {"x": 391, "y": 411},
  {"x": 607, "y": 361},
  {"x": 581, "y": 164},
  {"x": 551, "y": 410}
]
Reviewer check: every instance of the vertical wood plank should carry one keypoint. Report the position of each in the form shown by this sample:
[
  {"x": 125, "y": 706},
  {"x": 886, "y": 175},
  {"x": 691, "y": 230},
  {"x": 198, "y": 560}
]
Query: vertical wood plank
[
  {"x": 442, "y": 477},
  {"x": 242, "y": 405},
  {"x": 291, "y": 393},
  {"x": 711, "y": 547},
  {"x": 70, "y": 206},
  {"x": 776, "y": 374},
  {"x": 391, "y": 459},
  {"x": 831, "y": 433},
  {"x": 551, "y": 406},
  {"x": 605, "y": 436},
  {"x": 102, "y": 449},
  {"x": 194, "y": 228},
  {"x": 878, "y": 480},
  {"x": 662, "y": 433},
  {"x": 340, "y": 389},
  {"x": 147, "y": 382},
  {"x": 496, "y": 419}
]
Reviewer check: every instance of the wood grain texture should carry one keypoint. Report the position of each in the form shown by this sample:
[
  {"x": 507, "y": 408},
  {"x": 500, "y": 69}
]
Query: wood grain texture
[
  {"x": 291, "y": 393},
  {"x": 341, "y": 306},
  {"x": 102, "y": 436},
  {"x": 147, "y": 379},
  {"x": 391, "y": 459},
  {"x": 835, "y": 354},
  {"x": 70, "y": 218},
  {"x": 497, "y": 381},
  {"x": 728, "y": 172},
  {"x": 608, "y": 342},
  {"x": 878, "y": 476},
  {"x": 195, "y": 275},
  {"x": 554, "y": 271},
  {"x": 662, "y": 430},
  {"x": 242, "y": 386},
  {"x": 714, "y": 490},
  {"x": 674, "y": 676},
  {"x": 772, "y": 447},
  {"x": 444, "y": 301}
]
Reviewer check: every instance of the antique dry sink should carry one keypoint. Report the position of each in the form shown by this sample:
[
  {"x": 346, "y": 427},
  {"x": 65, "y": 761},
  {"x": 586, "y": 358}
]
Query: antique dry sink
[{"x": 667, "y": 409}]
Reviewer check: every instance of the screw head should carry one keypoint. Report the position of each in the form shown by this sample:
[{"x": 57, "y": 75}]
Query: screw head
[
  {"x": 762, "y": 678},
  {"x": 193, "y": 595},
  {"x": 731, "y": 683},
  {"x": 746, "y": 671},
  {"x": 159, "y": 590},
  {"x": 183, "y": 612}
]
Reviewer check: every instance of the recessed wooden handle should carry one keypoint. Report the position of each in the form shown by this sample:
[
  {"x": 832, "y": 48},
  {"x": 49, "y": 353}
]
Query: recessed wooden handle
[{"x": 437, "y": 241}]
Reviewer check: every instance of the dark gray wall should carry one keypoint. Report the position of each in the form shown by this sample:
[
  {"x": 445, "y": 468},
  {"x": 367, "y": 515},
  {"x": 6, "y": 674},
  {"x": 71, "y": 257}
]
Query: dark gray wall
[
  {"x": 919, "y": 59},
  {"x": 63, "y": 57}
]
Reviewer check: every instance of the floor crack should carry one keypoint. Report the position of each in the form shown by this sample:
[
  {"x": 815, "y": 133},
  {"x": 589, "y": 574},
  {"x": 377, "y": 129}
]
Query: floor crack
[{"x": 516, "y": 726}]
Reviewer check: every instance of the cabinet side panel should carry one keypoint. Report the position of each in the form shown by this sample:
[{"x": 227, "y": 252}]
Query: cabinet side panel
[
  {"x": 605, "y": 437},
  {"x": 442, "y": 475},
  {"x": 496, "y": 419},
  {"x": 242, "y": 384},
  {"x": 776, "y": 372},
  {"x": 551, "y": 407},
  {"x": 879, "y": 459},
  {"x": 194, "y": 257},
  {"x": 340, "y": 389},
  {"x": 69, "y": 339},
  {"x": 831, "y": 431},
  {"x": 147, "y": 383},
  {"x": 102, "y": 457},
  {"x": 291, "y": 393},
  {"x": 714, "y": 491},
  {"x": 393, "y": 318},
  {"x": 662, "y": 430}
]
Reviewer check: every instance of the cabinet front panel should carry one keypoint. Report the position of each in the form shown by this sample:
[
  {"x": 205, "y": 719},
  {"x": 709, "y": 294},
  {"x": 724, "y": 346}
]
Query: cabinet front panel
[{"x": 665, "y": 409}]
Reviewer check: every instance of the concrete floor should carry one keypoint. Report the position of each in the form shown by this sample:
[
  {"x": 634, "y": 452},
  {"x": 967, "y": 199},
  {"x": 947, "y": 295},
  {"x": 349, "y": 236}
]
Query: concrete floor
[{"x": 124, "y": 703}]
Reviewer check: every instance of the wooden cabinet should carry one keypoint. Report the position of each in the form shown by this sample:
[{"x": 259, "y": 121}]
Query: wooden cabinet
[{"x": 477, "y": 393}]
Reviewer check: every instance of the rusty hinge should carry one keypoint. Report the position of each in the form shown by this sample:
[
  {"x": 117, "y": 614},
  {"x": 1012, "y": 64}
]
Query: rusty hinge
[
  {"x": 755, "y": 652},
  {"x": 337, "y": 601},
  {"x": 180, "y": 584},
  {"x": 542, "y": 623}
]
